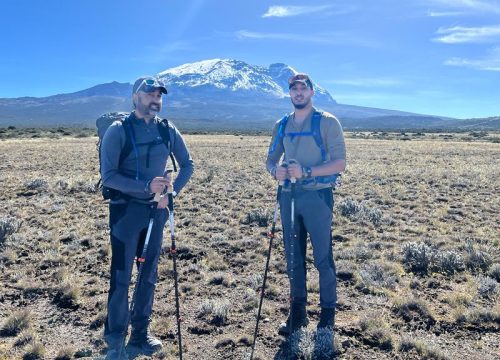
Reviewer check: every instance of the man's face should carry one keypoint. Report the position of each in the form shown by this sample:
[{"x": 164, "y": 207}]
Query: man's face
[
  {"x": 148, "y": 103},
  {"x": 301, "y": 95}
]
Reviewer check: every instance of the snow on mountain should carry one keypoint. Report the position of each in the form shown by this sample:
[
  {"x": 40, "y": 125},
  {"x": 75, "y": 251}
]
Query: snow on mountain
[{"x": 235, "y": 76}]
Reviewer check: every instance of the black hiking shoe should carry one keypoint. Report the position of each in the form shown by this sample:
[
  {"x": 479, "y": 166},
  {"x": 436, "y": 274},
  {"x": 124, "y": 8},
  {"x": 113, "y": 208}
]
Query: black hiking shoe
[
  {"x": 298, "y": 318},
  {"x": 116, "y": 354},
  {"x": 144, "y": 342},
  {"x": 116, "y": 349},
  {"x": 326, "y": 318}
]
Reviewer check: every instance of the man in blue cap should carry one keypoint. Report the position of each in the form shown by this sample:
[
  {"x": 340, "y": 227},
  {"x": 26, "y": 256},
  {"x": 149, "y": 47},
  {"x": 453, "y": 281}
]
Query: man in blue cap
[
  {"x": 312, "y": 143},
  {"x": 133, "y": 179}
]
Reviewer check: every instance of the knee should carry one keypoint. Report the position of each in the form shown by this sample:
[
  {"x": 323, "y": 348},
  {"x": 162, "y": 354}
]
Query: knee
[{"x": 324, "y": 263}]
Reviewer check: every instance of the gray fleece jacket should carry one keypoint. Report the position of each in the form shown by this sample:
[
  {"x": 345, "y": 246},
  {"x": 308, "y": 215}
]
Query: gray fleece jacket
[{"x": 144, "y": 162}]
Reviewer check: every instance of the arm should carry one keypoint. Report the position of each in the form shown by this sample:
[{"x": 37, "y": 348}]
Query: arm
[
  {"x": 273, "y": 157},
  {"x": 335, "y": 144},
  {"x": 184, "y": 161}
]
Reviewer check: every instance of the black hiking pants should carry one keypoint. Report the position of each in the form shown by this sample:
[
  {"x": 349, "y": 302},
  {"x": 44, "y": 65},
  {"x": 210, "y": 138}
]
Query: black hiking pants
[{"x": 128, "y": 225}]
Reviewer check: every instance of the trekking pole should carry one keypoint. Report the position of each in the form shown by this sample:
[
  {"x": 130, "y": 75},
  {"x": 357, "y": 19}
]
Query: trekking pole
[
  {"x": 271, "y": 235},
  {"x": 173, "y": 251},
  {"x": 140, "y": 261},
  {"x": 293, "y": 238}
]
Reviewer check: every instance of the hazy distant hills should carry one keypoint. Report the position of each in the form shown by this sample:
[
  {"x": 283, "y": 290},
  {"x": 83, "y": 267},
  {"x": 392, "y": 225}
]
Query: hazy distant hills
[{"x": 215, "y": 94}]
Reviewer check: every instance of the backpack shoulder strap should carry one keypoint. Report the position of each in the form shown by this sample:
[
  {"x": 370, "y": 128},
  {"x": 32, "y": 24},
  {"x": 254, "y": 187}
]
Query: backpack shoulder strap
[
  {"x": 280, "y": 134},
  {"x": 164, "y": 130},
  {"x": 316, "y": 132},
  {"x": 129, "y": 136}
]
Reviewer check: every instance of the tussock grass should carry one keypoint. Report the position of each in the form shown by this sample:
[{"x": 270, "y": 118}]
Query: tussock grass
[
  {"x": 413, "y": 310},
  {"x": 378, "y": 332},
  {"x": 16, "y": 322},
  {"x": 425, "y": 351},
  {"x": 35, "y": 351}
]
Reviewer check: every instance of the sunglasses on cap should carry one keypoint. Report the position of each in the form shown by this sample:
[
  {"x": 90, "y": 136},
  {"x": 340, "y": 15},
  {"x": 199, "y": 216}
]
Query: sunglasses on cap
[{"x": 150, "y": 85}]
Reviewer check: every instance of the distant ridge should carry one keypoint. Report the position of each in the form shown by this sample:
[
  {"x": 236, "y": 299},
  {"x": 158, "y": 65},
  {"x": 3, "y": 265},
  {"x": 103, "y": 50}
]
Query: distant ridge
[{"x": 213, "y": 94}]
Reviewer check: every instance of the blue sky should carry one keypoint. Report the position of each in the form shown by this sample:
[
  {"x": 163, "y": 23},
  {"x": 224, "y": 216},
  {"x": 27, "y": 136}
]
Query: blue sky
[{"x": 439, "y": 57}]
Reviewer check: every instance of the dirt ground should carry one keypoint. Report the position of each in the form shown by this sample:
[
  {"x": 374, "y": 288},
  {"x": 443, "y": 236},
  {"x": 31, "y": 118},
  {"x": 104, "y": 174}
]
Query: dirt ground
[{"x": 416, "y": 244}]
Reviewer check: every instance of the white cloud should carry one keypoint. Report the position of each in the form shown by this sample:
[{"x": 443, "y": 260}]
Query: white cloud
[
  {"x": 286, "y": 11},
  {"x": 460, "y": 34},
  {"x": 474, "y": 5},
  {"x": 368, "y": 82},
  {"x": 489, "y": 63},
  {"x": 445, "y": 13},
  {"x": 320, "y": 38}
]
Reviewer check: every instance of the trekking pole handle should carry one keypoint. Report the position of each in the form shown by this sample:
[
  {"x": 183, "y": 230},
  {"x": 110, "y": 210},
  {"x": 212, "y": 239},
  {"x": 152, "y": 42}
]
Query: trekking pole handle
[
  {"x": 293, "y": 180},
  {"x": 157, "y": 197},
  {"x": 170, "y": 194}
]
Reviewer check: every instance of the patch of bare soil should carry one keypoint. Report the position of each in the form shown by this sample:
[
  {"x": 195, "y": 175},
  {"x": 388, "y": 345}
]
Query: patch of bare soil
[{"x": 416, "y": 244}]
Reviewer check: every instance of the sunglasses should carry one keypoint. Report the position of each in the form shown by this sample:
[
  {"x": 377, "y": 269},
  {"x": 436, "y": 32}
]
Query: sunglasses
[{"x": 150, "y": 85}]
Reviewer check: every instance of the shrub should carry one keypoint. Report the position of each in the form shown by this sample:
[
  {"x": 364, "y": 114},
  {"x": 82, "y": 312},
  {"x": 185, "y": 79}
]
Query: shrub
[
  {"x": 378, "y": 275},
  {"x": 16, "y": 323},
  {"x": 255, "y": 281},
  {"x": 478, "y": 258},
  {"x": 259, "y": 216},
  {"x": 37, "y": 184},
  {"x": 417, "y": 257},
  {"x": 359, "y": 211},
  {"x": 495, "y": 272},
  {"x": 487, "y": 287},
  {"x": 8, "y": 226},
  {"x": 305, "y": 344},
  {"x": 448, "y": 262},
  {"x": 219, "y": 309}
]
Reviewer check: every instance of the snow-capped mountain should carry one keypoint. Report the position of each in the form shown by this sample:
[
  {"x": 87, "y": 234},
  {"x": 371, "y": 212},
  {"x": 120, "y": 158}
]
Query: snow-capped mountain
[
  {"x": 209, "y": 94},
  {"x": 235, "y": 77}
]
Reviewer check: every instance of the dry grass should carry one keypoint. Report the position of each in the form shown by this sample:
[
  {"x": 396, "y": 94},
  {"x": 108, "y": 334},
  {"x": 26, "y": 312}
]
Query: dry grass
[{"x": 430, "y": 191}]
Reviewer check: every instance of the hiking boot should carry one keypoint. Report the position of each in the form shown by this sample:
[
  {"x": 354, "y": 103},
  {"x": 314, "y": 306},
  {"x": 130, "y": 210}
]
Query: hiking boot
[
  {"x": 326, "y": 318},
  {"x": 116, "y": 354},
  {"x": 298, "y": 318},
  {"x": 116, "y": 349},
  {"x": 145, "y": 342}
]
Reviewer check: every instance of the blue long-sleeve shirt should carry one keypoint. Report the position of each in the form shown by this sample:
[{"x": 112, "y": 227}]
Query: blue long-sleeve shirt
[{"x": 144, "y": 162}]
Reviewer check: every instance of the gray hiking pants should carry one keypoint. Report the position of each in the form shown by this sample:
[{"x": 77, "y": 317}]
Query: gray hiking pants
[
  {"x": 128, "y": 224},
  {"x": 313, "y": 215}
]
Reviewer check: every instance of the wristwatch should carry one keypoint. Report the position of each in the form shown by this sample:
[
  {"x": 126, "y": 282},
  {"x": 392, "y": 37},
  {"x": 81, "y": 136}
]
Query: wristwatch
[
  {"x": 147, "y": 188},
  {"x": 307, "y": 171}
]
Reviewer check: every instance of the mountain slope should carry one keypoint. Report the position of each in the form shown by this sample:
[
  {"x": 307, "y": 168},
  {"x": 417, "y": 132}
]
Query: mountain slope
[{"x": 212, "y": 93}]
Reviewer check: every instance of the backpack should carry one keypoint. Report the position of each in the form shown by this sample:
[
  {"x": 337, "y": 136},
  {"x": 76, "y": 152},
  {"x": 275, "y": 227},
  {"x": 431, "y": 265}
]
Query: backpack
[
  {"x": 103, "y": 123},
  {"x": 315, "y": 132}
]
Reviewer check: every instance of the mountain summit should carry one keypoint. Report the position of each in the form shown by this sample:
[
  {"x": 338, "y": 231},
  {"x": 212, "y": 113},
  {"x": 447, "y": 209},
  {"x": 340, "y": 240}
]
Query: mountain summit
[
  {"x": 210, "y": 94},
  {"x": 235, "y": 77}
]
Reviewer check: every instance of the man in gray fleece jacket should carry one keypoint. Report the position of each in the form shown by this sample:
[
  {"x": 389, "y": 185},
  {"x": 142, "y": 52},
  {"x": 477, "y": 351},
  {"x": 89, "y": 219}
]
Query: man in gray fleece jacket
[{"x": 134, "y": 179}]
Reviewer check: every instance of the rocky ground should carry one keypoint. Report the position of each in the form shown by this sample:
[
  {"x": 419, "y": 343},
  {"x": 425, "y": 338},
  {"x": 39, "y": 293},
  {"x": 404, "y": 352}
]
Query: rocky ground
[{"x": 417, "y": 250}]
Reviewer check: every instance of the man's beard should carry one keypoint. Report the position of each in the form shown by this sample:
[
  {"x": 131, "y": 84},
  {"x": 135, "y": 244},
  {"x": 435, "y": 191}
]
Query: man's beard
[
  {"x": 152, "y": 109},
  {"x": 300, "y": 106}
]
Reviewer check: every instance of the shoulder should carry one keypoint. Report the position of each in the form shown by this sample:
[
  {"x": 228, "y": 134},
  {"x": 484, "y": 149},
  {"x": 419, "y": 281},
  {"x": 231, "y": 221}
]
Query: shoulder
[
  {"x": 329, "y": 119},
  {"x": 325, "y": 115},
  {"x": 166, "y": 123},
  {"x": 116, "y": 128}
]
